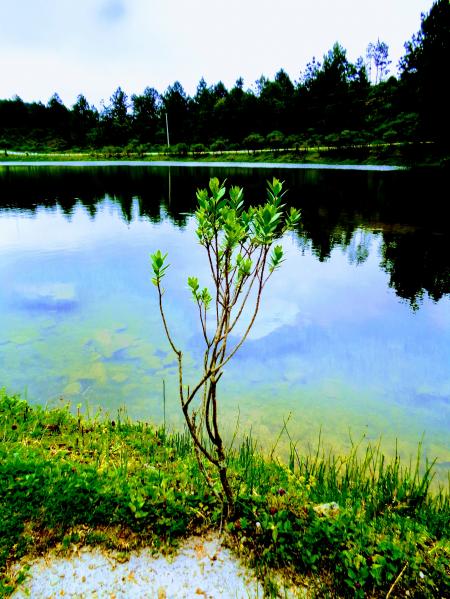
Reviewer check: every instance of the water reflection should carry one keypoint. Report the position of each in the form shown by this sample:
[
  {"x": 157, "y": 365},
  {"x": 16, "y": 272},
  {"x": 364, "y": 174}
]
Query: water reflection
[
  {"x": 417, "y": 262},
  {"x": 333, "y": 344},
  {"x": 334, "y": 205}
]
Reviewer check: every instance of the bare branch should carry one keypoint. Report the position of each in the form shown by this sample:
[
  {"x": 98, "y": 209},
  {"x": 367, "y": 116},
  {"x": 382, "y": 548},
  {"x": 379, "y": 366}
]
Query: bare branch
[
  {"x": 254, "y": 276},
  {"x": 203, "y": 321},
  {"x": 250, "y": 325},
  {"x": 166, "y": 328},
  {"x": 193, "y": 432}
]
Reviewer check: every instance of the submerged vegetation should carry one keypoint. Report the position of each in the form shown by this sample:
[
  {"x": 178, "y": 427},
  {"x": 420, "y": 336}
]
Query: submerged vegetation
[{"x": 353, "y": 525}]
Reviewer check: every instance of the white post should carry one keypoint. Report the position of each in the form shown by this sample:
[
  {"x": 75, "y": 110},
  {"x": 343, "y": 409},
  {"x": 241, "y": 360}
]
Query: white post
[{"x": 167, "y": 130}]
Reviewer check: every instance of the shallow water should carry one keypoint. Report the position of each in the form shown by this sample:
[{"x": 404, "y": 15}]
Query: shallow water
[{"x": 353, "y": 337}]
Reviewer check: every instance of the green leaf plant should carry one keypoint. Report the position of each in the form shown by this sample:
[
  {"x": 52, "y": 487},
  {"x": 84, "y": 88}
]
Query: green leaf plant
[{"x": 242, "y": 257}]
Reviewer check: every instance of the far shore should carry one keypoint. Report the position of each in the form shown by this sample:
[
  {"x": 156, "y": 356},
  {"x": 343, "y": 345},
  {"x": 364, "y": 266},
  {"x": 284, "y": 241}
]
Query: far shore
[{"x": 408, "y": 154}]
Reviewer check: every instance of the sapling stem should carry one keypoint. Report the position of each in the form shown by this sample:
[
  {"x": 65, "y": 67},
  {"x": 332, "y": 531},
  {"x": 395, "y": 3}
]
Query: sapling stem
[{"x": 237, "y": 244}]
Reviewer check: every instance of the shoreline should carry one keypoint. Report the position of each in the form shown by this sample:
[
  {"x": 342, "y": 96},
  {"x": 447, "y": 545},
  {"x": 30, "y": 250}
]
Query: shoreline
[
  {"x": 398, "y": 155},
  {"x": 355, "y": 524}
]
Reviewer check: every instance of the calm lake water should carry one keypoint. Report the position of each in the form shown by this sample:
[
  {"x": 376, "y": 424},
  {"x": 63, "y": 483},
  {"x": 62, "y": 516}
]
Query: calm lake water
[{"x": 353, "y": 337}]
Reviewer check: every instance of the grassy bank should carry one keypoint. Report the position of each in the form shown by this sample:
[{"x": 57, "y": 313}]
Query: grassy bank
[
  {"x": 396, "y": 154},
  {"x": 353, "y": 526}
]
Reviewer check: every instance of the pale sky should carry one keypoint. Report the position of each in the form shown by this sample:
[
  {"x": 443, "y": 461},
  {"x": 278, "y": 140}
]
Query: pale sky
[{"x": 93, "y": 46}]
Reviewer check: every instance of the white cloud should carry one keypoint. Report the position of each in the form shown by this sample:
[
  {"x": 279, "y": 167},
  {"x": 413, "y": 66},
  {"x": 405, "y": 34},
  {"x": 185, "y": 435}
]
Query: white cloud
[{"x": 92, "y": 46}]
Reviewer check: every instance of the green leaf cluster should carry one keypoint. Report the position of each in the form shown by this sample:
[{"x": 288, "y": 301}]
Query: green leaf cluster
[
  {"x": 202, "y": 296},
  {"x": 223, "y": 220},
  {"x": 159, "y": 267},
  {"x": 219, "y": 213},
  {"x": 276, "y": 258},
  {"x": 244, "y": 266}
]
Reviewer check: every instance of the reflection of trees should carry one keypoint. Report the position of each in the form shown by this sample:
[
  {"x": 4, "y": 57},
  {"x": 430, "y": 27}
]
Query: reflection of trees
[
  {"x": 339, "y": 209},
  {"x": 322, "y": 240},
  {"x": 416, "y": 259},
  {"x": 330, "y": 209},
  {"x": 358, "y": 249},
  {"x": 417, "y": 262},
  {"x": 29, "y": 188}
]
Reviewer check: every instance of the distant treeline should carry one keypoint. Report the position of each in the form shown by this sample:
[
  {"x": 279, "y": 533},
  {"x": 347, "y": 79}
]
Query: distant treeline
[{"x": 334, "y": 102}]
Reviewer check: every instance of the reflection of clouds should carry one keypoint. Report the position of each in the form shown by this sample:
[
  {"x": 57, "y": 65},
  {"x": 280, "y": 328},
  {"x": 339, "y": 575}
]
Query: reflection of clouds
[
  {"x": 57, "y": 292},
  {"x": 57, "y": 296},
  {"x": 280, "y": 313}
]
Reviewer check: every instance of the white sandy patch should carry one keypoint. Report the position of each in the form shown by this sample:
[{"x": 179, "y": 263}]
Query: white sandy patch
[{"x": 202, "y": 568}]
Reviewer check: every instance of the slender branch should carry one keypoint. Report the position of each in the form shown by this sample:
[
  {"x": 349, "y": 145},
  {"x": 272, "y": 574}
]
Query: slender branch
[
  {"x": 208, "y": 370},
  {"x": 184, "y": 403},
  {"x": 180, "y": 377},
  {"x": 193, "y": 432},
  {"x": 215, "y": 272},
  {"x": 172, "y": 344},
  {"x": 216, "y": 252},
  {"x": 389, "y": 593},
  {"x": 203, "y": 322},
  {"x": 205, "y": 316},
  {"x": 235, "y": 269},
  {"x": 258, "y": 300},
  {"x": 205, "y": 390},
  {"x": 267, "y": 278},
  {"x": 216, "y": 344},
  {"x": 216, "y": 276},
  {"x": 218, "y": 438},
  {"x": 225, "y": 329},
  {"x": 166, "y": 328},
  {"x": 218, "y": 337},
  {"x": 247, "y": 251},
  {"x": 191, "y": 394},
  {"x": 224, "y": 338},
  {"x": 207, "y": 416},
  {"x": 208, "y": 248},
  {"x": 251, "y": 275},
  {"x": 244, "y": 301}
]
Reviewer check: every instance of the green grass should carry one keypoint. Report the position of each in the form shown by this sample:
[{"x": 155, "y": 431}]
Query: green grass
[
  {"x": 406, "y": 154},
  {"x": 70, "y": 478}
]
